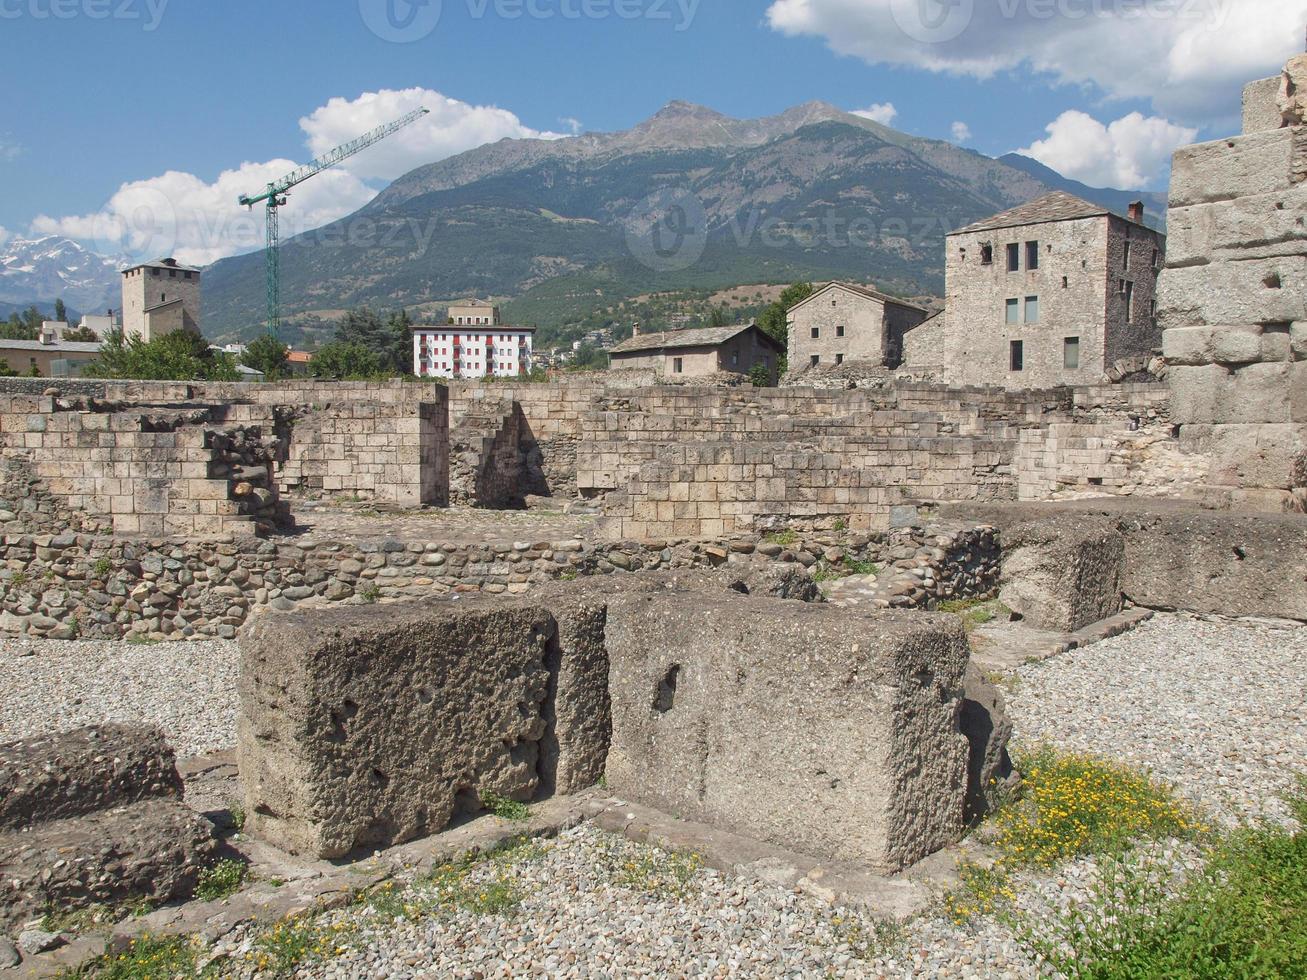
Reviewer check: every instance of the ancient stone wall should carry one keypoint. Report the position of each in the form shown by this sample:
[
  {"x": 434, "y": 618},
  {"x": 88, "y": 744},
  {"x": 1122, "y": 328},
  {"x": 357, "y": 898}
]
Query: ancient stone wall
[{"x": 1233, "y": 302}]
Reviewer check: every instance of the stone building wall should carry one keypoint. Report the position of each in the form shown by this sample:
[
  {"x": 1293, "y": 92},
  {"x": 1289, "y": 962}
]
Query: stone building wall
[
  {"x": 869, "y": 326},
  {"x": 1233, "y": 303}
]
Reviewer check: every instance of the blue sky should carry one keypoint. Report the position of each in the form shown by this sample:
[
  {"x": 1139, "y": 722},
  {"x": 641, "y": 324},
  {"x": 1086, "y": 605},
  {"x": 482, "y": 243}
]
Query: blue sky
[{"x": 167, "y": 95}]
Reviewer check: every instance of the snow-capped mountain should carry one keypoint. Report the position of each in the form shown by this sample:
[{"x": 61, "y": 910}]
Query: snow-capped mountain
[{"x": 42, "y": 270}]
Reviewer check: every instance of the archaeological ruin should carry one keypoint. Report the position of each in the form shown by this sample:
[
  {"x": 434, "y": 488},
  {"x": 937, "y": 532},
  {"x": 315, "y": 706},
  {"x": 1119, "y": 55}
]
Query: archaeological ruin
[{"x": 728, "y": 609}]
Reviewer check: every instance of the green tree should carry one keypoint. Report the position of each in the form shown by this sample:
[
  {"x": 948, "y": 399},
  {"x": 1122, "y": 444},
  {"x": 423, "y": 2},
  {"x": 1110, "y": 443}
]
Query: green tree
[
  {"x": 341, "y": 360},
  {"x": 6, "y": 371},
  {"x": 81, "y": 335},
  {"x": 390, "y": 337},
  {"x": 60, "y": 311},
  {"x": 269, "y": 355},
  {"x": 588, "y": 358},
  {"x": 718, "y": 317},
  {"x": 760, "y": 376},
  {"x": 774, "y": 319},
  {"x": 179, "y": 356},
  {"x": 23, "y": 326}
]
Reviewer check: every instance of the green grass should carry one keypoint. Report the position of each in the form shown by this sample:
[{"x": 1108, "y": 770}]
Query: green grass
[
  {"x": 825, "y": 571},
  {"x": 147, "y": 958},
  {"x": 785, "y": 539},
  {"x": 1070, "y": 805},
  {"x": 370, "y": 594},
  {"x": 237, "y": 815},
  {"x": 222, "y": 880},
  {"x": 505, "y": 808},
  {"x": 293, "y": 942},
  {"x": 102, "y": 568},
  {"x": 975, "y": 612},
  {"x": 1243, "y": 916},
  {"x": 135, "y": 639},
  {"x": 659, "y": 872}
]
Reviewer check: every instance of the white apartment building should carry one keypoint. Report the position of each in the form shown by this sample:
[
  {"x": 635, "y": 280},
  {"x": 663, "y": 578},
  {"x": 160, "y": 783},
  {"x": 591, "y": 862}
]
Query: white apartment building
[{"x": 472, "y": 351}]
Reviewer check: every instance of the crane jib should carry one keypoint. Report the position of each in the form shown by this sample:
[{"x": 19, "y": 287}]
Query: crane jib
[{"x": 276, "y": 193}]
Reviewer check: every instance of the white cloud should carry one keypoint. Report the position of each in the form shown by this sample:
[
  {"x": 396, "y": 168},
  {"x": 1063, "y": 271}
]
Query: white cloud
[
  {"x": 9, "y": 150},
  {"x": 199, "y": 221},
  {"x": 451, "y": 128},
  {"x": 1131, "y": 153},
  {"x": 961, "y": 132},
  {"x": 882, "y": 112},
  {"x": 5, "y": 234},
  {"x": 572, "y": 123},
  {"x": 1189, "y": 57}
]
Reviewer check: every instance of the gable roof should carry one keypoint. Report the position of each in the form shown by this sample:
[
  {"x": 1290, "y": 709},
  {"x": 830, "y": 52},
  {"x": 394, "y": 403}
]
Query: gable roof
[
  {"x": 1057, "y": 206},
  {"x": 165, "y": 264},
  {"x": 865, "y": 291},
  {"x": 700, "y": 337}
]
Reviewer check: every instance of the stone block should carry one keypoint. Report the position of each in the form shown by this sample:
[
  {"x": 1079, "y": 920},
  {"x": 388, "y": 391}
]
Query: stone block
[
  {"x": 1063, "y": 574},
  {"x": 360, "y": 729},
  {"x": 1194, "y": 391},
  {"x": 833, "y": 734},
  {"x": 1256, "y": 291},
  {"x": 1259, "y": 226},
  {"x": 152, "y": 850},
  {"x": 1260, "y": 163},
  {"x": 1261, "y": 111},
  {"x": 988, "y": 730},
  {"x": 74, "y": 773},
  {"x": 1246, "y": 456},
  {"x": 1226, "y": 564},
  {"x": 1192, "y": 346}
]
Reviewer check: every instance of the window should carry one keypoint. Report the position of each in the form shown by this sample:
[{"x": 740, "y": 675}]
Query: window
[
  {"x": 1014, "y": 258},
  {"x": 816, "y": 333},
  {"x": 1017, "y": 355},
  {"x": 1129, "y": 302},
  {"x": 1071, "y": 353},
  {"x": 986, "y": 254},
  {"x": 1013, "y": 311},
  {"x": 1128, "y": 246},
  {"x": 735, "y": 357},
  {"x": 1152, "y": 310},
  {"x": 1157, "y": 258},
  {"x": 839, "y": 358},
  {"x": 678, "y": 365},
  {"x": 839, "y": 331},
  {"x": 1032, "y": 256},
  {"x": 815, "y": 360},
  {"x": 1066, "y": 282},
  {"x": 1032, "y": 309}
]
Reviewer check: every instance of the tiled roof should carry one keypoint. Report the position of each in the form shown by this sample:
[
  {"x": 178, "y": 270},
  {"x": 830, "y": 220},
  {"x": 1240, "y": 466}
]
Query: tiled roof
[
  {"x": 701, "y": 337},
  {"x": 861, "y": 291},
  {"x": 162, "y": 264},
  {"x": 1057, "y": 206}
]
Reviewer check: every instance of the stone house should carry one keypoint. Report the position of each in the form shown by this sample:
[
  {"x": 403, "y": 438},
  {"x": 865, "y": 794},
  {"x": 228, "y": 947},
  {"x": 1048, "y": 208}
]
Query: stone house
[
  {"x": 473, "y": 313},
  {"x": 842, "y": 322},
  {"x": 159, "y": 298},
  {"x": 1058, "y": 291},
  {"x": 699, "y": 353}
]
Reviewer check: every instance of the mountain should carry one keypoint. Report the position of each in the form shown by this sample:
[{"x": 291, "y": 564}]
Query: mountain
[
  {"x": 41, "y": 270},
  {"x": 556, "y": 229},
  {"x": 1155, "y": 204}
]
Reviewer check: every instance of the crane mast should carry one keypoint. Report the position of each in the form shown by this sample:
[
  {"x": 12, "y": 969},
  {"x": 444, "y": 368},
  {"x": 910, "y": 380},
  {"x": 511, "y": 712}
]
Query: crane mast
[{"x": 277, "y": 192}]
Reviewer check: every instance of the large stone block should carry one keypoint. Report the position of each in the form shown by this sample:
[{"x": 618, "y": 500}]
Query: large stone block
[
  {"x": 363, "y": 728},
  {"x": 1259, "y": 226},
  {"x": 1298, "y": 340},
  {"x": 1214, "y": 394},
  {"x": 1063, "y": 574},
  {"x": 1261, "y": 112},
  {"x": 1217, "y": 563},
  {"x": 1256, "y": 291},
  {"x": 1260, "y": 163},
  {"x": 74, "y": 773},
  {"x": 1193, "y": 346},
  {"x": 1194, "y": 391},
  {"x": 1250, "y": 456},
  {"x": 152, "y": 850},
  {"x": 833, "y": 734}
]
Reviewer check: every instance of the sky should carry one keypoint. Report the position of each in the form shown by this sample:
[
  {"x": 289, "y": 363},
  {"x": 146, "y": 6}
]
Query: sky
[{"x": 133, "y": 125}]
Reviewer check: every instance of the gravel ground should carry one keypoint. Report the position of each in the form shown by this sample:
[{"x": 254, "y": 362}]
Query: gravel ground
[
  {"x": 1216, "y": 708},
  {"x": 1219, "y": 709},
  {"x": 188, "y": 689}
]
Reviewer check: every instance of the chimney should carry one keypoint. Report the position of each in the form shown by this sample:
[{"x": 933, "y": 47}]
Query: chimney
[
  {"x": 1137, "y": 212},
  {"x": 635, "y": 329}
]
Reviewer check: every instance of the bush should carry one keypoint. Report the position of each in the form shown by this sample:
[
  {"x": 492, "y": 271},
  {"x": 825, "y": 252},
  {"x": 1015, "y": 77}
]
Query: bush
[
  {"x": 182, "y": 355},
  {"x": 222, "y": 880}
]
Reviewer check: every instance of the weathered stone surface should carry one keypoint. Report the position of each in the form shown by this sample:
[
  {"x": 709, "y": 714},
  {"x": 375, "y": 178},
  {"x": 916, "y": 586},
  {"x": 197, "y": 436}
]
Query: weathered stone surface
[
  {"x": 1218, "y": 563},
  {"x": 1260, "y": 163},
  {"x": 1298, "y": 340},
  {"x": 1270, "y": 290},
  {"x": 1255, "y": 393},
  {"x": 1291, "y": 95},
  {"x": 832, "y": 734},
  {"x": 781, "y": 581},
  {"x": 77, "y": 772},
  {"x": 154, "y": 849},
  {"x": 1261, "y": 112},
  {"x": 1191, "y": 346},
  {"x": 1268, "y": 456},
  {"x": 985, "y": 723},
  {"x": 1257, "y": 226},
  {"x": 365, "y": 728},
  {"x": 1063, "y": 574}
]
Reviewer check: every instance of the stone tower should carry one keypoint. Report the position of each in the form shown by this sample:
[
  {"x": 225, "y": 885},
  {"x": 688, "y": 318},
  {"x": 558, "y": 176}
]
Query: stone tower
[
  {"x": 1233, "y": 299},
  {"x": 159, "y": 298}
]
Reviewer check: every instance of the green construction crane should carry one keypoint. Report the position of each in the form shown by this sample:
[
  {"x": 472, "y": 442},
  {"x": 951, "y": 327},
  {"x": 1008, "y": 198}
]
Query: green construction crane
[{"x": 278, "y": 191}]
